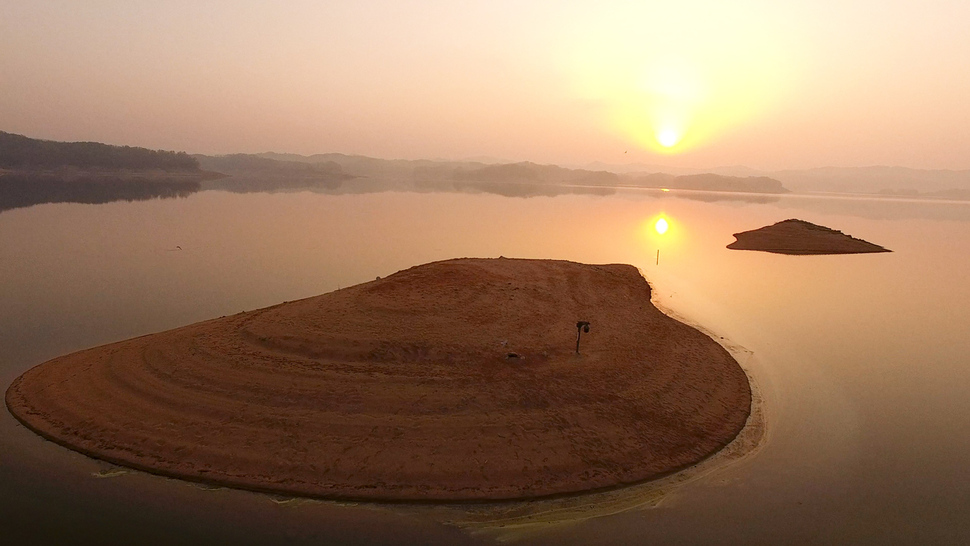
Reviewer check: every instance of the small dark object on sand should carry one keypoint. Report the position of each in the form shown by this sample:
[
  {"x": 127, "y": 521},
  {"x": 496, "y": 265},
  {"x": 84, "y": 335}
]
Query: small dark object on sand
[{"x": 581, "y": 326}]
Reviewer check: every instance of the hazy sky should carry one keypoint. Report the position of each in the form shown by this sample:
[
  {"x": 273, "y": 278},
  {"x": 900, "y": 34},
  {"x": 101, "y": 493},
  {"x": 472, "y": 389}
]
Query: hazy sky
[{"x": 703, "y": 83}]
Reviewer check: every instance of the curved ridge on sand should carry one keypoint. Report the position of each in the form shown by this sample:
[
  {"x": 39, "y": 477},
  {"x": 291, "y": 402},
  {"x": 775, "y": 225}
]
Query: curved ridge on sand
[{"x": 402, "y": 389}]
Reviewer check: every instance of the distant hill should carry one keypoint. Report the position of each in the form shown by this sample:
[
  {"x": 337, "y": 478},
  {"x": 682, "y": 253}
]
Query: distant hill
[
  {"x": 517, "y": 173},
  {"x": 640, "y": 168},
  {"x": 254, "y": 165},
  {"x": 271, "y": 171},
  {"x": 709, "y": 182},
  {"x": 252, "y": 173},
  {"x": 875, "y": 180},
  {"x": 372, "y": 167},
  {"x": 35, "y": 172},
  {"x": 523, "y": 178},
  {"x": 18, "y": 152},
  {"x": 539, "y": 173}
]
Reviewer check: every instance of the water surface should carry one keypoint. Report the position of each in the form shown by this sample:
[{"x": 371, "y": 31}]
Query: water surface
[{"x": 861, "y": 360}]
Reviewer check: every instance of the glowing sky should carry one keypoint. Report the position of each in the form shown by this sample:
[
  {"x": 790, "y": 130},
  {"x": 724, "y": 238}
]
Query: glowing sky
[{"x": 697, "y": 83}]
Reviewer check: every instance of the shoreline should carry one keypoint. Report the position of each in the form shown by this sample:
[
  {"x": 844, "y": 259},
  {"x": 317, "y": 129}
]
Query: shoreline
[
  {"x": 470, "y": 492},
  {"x": 123, "y": 466},
  {"x": 520, "y": 519}
]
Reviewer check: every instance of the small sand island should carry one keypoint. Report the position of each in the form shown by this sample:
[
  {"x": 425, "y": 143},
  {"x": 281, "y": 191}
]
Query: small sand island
[
  {"x": 451, "y": 381},
  {"x": 800, "y": 237}
]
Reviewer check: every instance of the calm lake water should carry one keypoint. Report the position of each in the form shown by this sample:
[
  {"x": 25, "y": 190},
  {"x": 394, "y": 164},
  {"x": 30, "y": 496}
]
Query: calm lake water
[{"x": 863, "y": 361}]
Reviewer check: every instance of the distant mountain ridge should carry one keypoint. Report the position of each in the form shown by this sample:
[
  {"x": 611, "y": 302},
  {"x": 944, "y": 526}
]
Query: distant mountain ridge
[
  {"x": 877, "y": 179},
  {"x": 34, "y": 172},
  {"x": 18, "y": 152},
  {"x": 71, "y": 159},
  {"x": 344, "y": 173},
  {"x": 253, "y": 173},
  {"x": 247, "y": 164},
  {"x": 465, "y": 174},
  {"x": 710, "y": 182}
]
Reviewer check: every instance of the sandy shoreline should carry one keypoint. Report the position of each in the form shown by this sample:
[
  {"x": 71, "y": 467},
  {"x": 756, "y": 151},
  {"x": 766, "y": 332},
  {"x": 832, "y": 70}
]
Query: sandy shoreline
[{"x": 401, "y": 389}]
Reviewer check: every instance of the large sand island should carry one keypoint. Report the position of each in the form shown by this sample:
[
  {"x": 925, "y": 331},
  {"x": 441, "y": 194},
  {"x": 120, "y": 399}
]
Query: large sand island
[
  {"x": 800, "y": 237},
  {"x": 451, "y": 381}
]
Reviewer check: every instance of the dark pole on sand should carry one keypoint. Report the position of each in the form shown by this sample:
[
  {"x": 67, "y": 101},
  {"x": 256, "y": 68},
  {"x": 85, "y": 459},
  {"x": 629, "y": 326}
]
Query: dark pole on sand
[
  {"x": 658, "y": 256},
  {"x": 581, "y": 326}
]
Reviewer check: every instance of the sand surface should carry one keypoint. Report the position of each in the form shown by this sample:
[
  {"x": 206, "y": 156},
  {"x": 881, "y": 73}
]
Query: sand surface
[
  {"x": 801, "y": 237},
  {"x": 401, "y": 389}
]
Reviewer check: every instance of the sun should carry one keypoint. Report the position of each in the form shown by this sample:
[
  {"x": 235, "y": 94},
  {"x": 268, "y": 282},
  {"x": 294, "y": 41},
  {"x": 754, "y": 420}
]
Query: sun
[
  {"x": 668, "y": 138},
  {"x": 661, "y": 226}
]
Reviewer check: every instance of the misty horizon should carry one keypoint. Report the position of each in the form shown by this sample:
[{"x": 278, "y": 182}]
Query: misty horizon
[
  {"x": 629, "y": 167},
  {"x": 618, "y": 167}
]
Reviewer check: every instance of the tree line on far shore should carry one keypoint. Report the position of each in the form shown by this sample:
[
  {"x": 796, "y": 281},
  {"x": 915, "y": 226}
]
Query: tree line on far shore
[{"x": 20, "y": 152}]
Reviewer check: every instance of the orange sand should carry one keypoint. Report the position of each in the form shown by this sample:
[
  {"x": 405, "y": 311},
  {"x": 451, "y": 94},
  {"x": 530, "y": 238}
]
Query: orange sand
[
  {"x": 401, "y": 389},
  {"x": 801, "y": 237}
]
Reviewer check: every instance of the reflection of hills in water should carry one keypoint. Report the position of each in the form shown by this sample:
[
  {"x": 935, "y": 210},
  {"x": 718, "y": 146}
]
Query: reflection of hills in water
[
  {"x": 720, "y": 196},
  {"x": 35, "y": 171},
  {"x": 25, "y": 190}
]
